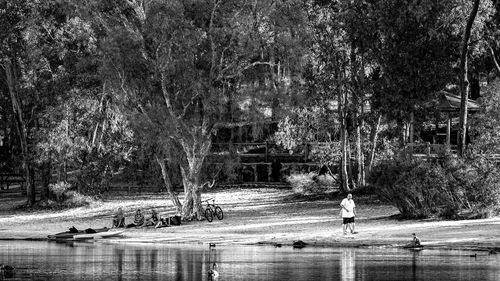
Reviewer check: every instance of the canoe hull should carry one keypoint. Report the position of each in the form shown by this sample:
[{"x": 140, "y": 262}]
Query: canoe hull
[
  {"x": 70, "y": 235},
  {"x": 106, "y": 234}
]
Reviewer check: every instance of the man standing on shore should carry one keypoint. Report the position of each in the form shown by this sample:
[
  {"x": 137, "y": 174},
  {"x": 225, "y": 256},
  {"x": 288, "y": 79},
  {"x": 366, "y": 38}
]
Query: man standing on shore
[{"x": 348, "y": 209}]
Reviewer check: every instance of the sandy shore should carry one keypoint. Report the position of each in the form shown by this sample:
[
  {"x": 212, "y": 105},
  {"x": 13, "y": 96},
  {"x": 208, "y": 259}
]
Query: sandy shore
[{"x": 258, "y": 216}]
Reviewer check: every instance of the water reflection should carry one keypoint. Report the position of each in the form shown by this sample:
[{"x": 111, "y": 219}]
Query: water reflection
[
  {"x": 95, "y": 261},
  {"x": 119, "y": 263},
  {"x": 414, "y": 264},
  {"x": 348, "y": 264}
]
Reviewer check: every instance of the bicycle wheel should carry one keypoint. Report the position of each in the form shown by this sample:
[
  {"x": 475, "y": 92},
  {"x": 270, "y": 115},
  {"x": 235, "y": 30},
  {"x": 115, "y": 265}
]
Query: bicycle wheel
[
  {"x": 218, "y": 213},
  {"x": 209, "y": 215}
]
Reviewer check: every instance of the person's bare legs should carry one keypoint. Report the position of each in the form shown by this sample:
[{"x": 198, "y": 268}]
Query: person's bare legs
[
  {"x": 351, "y": 226},
  {"x": 344, "y": 228}
]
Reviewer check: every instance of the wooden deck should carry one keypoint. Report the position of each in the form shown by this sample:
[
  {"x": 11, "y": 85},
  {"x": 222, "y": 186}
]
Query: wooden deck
[
  {"x": 432, "y": 151},
  {"x": 7, "y": 179}
]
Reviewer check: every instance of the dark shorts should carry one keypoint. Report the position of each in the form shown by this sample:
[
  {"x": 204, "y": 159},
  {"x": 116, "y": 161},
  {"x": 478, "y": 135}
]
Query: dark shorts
[{"x": 348, "y": 220}]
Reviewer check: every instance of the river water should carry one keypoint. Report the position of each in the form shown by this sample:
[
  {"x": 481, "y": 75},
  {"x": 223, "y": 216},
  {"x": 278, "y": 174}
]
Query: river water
[{"x": 34, "y": 260}]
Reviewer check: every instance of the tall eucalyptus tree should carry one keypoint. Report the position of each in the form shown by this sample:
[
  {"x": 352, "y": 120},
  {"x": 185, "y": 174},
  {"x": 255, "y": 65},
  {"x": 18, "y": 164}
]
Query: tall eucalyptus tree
[{"x": 172, "y": 63}]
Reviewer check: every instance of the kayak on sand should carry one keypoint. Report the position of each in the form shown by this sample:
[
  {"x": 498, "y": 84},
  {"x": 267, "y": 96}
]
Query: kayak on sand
[
  {"x": 104, "y": 234},
  {"x": 413, "y": 247},
  {"x": 73, "y": 231}
]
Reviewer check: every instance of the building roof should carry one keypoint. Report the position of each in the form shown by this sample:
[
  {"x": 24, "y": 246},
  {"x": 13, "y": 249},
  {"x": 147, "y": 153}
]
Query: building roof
[{"x": 448, "y": 102}]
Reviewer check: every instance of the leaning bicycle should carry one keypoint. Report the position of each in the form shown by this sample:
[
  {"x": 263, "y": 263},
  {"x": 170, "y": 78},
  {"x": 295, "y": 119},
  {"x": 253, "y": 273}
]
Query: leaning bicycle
[{"x": 212, "y": 210}]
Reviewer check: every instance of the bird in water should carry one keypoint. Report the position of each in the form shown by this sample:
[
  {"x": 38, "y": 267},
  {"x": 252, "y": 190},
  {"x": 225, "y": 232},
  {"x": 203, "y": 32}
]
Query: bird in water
[
  {"x": 211, "y": 245},
  {"x": 213, "y": 273},
  {"x": 473, "y": 256}
]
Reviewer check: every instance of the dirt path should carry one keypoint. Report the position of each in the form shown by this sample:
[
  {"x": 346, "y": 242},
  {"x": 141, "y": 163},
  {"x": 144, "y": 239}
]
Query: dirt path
[{"x": 255, "y": 216}]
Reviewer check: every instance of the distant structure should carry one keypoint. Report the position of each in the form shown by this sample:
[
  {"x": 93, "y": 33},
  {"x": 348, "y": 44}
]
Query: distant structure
[
  {"x": 443, "y": 133},
  {"x": 258, "y": 160}
]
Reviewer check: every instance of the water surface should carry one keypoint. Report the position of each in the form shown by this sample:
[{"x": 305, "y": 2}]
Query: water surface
[{"x": 98, "y": 261}]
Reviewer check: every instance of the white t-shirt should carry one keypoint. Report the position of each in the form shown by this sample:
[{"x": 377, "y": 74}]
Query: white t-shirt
[{"x": 349, "y": 205}]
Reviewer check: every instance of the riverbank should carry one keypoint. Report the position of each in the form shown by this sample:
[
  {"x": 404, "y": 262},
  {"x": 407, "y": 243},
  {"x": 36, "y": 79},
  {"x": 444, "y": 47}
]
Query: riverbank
[{"x": 257, "y": 216}]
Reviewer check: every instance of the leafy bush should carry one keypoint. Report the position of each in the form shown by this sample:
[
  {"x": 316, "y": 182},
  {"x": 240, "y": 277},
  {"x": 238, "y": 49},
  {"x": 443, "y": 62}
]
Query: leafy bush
[
  {"x": 66, "y": 198},
  {"x": 485, "y": 124},
  {"x": 482, "y": 181},
  {"x": 312, "y": 125},
  {"x": 231, "y": 169},
  {"x": 449, "y": 187},
  {"x": 312, "y": 184},
  {"x": 75, "y": 199},
  {"x": 95, "y": 175},
  {"x": 58, "y": 189}
]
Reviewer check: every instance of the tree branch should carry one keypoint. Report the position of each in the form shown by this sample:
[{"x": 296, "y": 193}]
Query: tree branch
[
  {"x": 144, "y": 112},
  {"x": 210, "y": 35},
  {"x": 166, "y": 97},
  {"x": 271, "y": 64},
  {"x": 463, "y": 77},
  {"x": 184, "y": 111},
  {"x": 497, "y": 66}
]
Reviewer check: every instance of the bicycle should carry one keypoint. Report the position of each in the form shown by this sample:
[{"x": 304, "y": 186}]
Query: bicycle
[{"x": 211, "y": 209}]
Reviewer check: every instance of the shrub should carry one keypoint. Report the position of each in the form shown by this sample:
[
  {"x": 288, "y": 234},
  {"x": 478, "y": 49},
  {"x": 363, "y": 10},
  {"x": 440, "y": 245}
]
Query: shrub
[
  {"x": 66, "y": 198},
  {"x": 58, "y": 189},
  {"x": 231, "y": 168},
  {"x": 312, "y": 184},
  {"x": 408, "y": 186},
  {"x": 75, "y": 199},
  {"x": 483, "y": 178},
  {"x": 95, "y": 175},
  {"x": 448, "y": 187}
]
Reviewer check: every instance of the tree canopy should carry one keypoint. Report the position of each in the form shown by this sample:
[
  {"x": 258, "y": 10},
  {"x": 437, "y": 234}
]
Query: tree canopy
[{"x": 86, "y": 86}]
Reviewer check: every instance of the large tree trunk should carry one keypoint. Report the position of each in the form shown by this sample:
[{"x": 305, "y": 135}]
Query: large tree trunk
[
  {"x": 11, "y": 75},
  {"x": 352, "y": 183},
  {"x": 344, "y": 175},
  {"x": 168, "y": 184},
  {"x": 192, "y": 198},
  {"x": 195, "y": 149},
  {"x": 464, "y": 85},
  {"x": 357, "y": 96},
  {"x": 45, "y": 176},
  {"x": 195, "y": 140},
  {"x": 99, "y": 127},
  {"x": 276, "y": 83},
  {"x": 360, "y": 157},
  {"x": 373, "y": 140}
]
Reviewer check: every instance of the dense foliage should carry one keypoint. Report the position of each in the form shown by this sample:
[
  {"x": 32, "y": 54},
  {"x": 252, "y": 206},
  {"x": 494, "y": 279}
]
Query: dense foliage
[
  {"x": 91, "y": 89},
  {"x": 450, "y": 187},
  {"x": 486, "y": 123},
  {"x": 63, "y": 196},
  {"x": 310, "y": 184}
]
